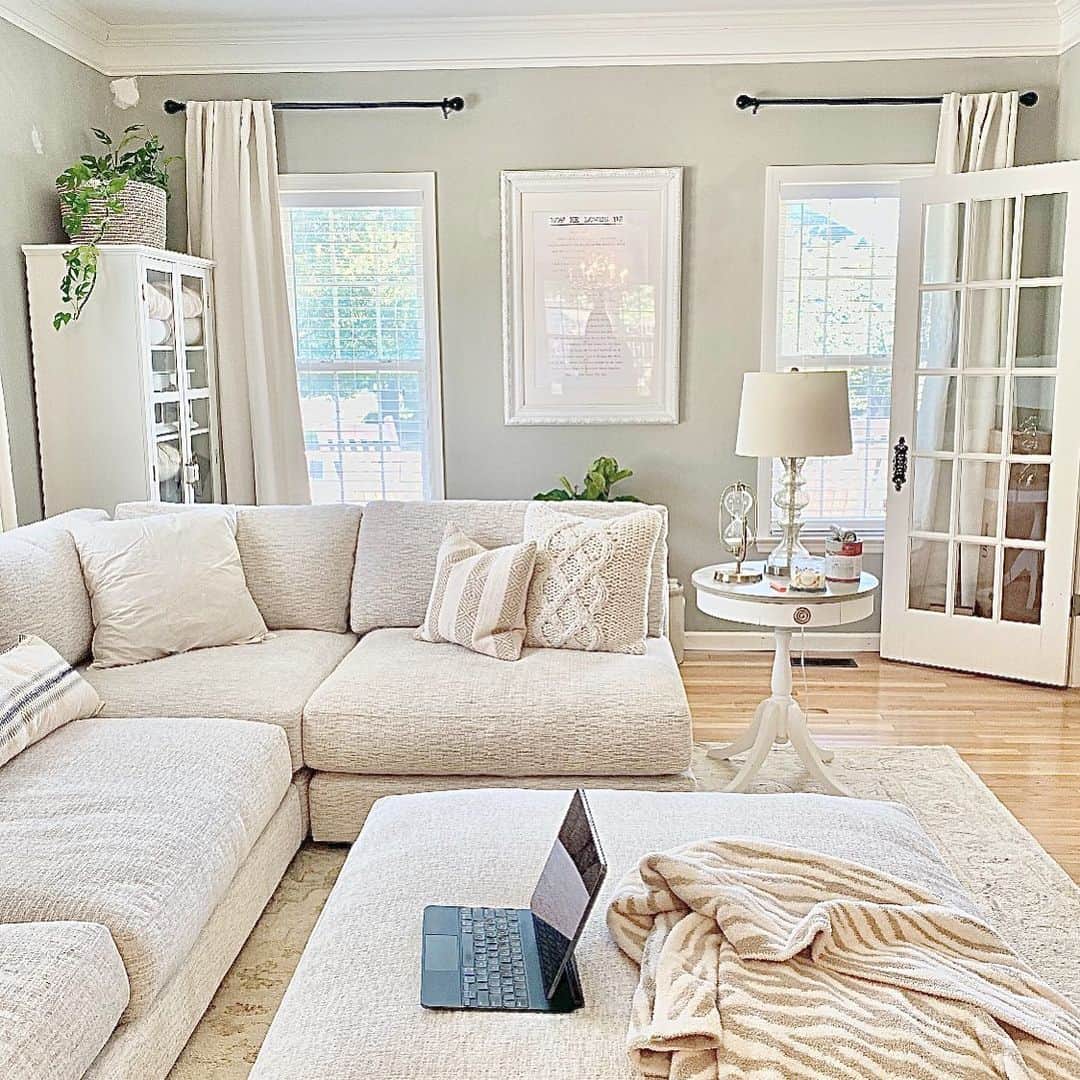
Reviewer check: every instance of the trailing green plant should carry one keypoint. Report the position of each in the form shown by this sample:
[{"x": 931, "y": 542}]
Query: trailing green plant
[
  {"x": 603, "y": 474},
  {"x": 95, "y": 184}
]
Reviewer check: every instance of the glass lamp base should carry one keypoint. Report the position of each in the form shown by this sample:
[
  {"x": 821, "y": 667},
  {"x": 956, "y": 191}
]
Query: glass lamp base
[{"x": 778, "y": 564}]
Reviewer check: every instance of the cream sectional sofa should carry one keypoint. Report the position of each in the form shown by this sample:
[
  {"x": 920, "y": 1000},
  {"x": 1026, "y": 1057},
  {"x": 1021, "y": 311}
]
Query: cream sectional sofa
[{"x": 169, "y": 819}]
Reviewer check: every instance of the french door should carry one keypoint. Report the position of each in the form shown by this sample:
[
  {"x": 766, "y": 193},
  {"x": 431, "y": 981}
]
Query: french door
[{"x": 982, "y": 508}]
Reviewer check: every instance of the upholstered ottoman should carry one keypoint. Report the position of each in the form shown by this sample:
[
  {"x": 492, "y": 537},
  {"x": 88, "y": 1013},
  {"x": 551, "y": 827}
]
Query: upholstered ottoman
[{"x": 352, "y": 1009}]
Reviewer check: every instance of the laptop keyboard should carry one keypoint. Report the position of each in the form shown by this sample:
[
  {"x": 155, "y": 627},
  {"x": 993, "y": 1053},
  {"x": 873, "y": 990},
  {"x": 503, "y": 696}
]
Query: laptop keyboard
[{"x": 495, "y": 978}]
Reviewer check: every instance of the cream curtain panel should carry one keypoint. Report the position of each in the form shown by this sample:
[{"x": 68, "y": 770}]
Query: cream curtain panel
[
  {"x": 975, "y": 132},
  {"x": 8, "y": 519},
  {"x": 234, "y": 218}
]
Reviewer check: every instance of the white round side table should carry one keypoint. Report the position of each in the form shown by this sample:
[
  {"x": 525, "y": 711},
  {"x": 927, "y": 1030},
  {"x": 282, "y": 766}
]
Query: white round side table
[{"x": 779, "y": 718}]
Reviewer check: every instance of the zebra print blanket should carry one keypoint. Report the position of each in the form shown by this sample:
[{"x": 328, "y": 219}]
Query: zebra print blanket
[{"x": 763, "y": 961}]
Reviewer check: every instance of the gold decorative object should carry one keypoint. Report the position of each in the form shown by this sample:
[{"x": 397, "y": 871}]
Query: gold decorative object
[{"x": 736, "y": 502}]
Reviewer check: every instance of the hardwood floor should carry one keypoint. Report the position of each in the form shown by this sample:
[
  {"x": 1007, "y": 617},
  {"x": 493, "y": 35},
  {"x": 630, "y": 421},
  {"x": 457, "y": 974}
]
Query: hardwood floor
[{"x": 1024, "y": 741}]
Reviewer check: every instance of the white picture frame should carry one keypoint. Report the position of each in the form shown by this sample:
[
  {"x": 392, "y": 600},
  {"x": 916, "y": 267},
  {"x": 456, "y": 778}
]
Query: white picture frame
[{"x": 577, "y": 243}]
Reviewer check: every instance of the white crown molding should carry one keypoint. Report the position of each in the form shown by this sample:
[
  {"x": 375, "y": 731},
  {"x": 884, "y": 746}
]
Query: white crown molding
[
  {"x": 769, "y": 32},
  {"x": 907, "y": 30},
  {"x": 1069, "y": 12},
  {"x": 64, "y": 24}
]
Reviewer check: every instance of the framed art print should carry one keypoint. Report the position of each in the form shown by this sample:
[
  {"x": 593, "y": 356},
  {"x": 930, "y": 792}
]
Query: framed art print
[{"x": 591, "y": 296}]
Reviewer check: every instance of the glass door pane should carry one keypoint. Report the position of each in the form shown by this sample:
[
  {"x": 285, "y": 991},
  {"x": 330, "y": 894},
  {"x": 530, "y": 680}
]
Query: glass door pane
[
  {"x": 990, "y": 239},
  {"x": 201, "y": 469},
  {"x": 974, "y": 580},
  {"x": 168, "y": 443},
  {"x": 160, "y": 337},
  {"x": 193, "y": 331},
  {"x": 1042, "y": 249},
  {"x": 1022, "y": 585},
  {"x": 1038, "y": 317}
]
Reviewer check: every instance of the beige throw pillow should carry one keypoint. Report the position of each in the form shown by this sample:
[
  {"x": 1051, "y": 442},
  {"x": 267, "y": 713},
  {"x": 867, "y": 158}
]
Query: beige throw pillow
[
  {"x": 39, "y": 692},
  {"x": 164, "y": 585},
  {"x": 590, "y": 588},
  {"x": 478, "y": 598}
]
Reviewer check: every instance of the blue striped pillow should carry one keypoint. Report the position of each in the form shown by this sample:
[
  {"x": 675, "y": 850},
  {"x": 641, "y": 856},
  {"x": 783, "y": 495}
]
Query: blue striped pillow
[{"x": 39, "y": 692}]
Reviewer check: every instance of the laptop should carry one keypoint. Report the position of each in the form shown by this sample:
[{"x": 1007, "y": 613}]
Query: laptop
[{"x": 519, "y": 959}]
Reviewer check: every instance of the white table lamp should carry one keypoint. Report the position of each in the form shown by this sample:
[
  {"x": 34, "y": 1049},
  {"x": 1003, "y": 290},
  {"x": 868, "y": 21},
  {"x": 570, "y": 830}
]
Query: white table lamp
[{"x": 793, "y": 415}]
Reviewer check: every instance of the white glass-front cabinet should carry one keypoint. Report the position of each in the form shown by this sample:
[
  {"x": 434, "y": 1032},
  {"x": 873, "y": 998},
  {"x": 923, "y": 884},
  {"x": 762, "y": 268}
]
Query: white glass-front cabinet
[{"x": 127, "y": 394}]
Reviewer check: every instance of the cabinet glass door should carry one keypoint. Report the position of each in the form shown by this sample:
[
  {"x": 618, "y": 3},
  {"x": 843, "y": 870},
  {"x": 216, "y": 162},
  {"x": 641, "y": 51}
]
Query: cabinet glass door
[
  {"x": 981, "y": 524},
  {"x": 179, "y": 346},
  {"x": 198, "y": 387},
  {"x": 166, "y": 419}
]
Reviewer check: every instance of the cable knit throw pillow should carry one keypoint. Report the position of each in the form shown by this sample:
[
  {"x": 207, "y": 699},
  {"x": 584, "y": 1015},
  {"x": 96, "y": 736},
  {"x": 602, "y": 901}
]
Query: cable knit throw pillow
[
  {"x": 478, "y": 598},
  {"x": 39, "y": 692},
  {"x": 590, "y": 588}
]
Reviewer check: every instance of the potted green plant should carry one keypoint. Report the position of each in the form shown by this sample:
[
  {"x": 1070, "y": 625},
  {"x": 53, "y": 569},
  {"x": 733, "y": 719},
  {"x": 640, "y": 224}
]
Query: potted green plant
[
  {"x": 117, "y": 197},
  {"x": 604, "y": 473}
]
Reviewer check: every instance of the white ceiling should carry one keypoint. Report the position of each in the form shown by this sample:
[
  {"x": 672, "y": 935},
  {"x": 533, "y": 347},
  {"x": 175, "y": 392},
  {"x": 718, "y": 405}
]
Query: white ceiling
[{"x": 200, "y": 36}]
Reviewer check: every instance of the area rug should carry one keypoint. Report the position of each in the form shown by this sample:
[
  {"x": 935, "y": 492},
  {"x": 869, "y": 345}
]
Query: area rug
[{"x": 1023, "y": 893}]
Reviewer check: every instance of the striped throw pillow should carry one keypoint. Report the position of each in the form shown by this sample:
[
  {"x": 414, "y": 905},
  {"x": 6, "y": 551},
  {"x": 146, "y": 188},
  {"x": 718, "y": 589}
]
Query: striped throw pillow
[
  {"x": 39, "y": 692},
  {"x": 478, "y": 599}
]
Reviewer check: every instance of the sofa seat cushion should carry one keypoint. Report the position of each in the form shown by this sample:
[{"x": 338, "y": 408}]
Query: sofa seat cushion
[
  {"x": 400, "y": 706},
  {"x": 63, "y": 989},
  {"x": 139, "y": 825},
  {"x": 270, "y": 681}
]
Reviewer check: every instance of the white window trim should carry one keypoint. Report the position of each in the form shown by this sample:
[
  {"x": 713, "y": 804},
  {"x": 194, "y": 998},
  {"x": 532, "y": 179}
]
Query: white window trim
[
  {"x": 389, "y": 188},
  {"x": 778, "y": 179}
]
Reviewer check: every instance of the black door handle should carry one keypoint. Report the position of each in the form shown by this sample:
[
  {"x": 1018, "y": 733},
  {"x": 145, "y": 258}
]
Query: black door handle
[{"x": 899, "y": 463}]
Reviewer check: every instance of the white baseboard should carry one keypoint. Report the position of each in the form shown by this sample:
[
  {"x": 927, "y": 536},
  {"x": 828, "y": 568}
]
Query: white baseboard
[{"x": 762, "y": 641}]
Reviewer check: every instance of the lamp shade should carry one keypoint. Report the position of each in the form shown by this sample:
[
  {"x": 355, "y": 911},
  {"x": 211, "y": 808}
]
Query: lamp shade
[{"x": 794, "y": 414}]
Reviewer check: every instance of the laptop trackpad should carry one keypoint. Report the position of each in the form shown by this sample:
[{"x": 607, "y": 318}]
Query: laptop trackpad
[{"x": 440, "y": 952}]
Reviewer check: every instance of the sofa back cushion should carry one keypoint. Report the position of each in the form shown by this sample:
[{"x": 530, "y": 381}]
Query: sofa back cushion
[
  {"x": 41, "y": 586},
  {"x": 298, "y": 560},
  {"x": 399, "y": 545},
  {"x": 398, "y": 548}
]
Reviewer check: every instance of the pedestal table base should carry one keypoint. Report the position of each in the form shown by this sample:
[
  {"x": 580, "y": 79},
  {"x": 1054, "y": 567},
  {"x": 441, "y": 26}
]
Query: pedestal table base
[{"x": 778, "y": 719}]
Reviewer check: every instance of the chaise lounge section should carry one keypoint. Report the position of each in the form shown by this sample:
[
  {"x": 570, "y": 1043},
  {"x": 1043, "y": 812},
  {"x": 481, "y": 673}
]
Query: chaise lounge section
[{"x": 136, "y": 853}]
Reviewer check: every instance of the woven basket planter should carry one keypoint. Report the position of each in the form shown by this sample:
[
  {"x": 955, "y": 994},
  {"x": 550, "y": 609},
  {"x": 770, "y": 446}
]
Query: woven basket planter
[{"x": 142, "y": 222}]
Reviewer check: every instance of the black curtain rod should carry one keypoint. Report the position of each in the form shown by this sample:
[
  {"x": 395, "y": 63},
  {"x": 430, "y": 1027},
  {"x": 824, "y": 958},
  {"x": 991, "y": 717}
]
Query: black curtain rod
[
  {"x": 745, "y": 101},
  {"x": 448, "y": 105}
]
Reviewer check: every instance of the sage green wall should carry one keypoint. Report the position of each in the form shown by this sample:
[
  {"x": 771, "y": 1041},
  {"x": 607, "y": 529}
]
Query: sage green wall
[
  {"x": 607, "y": 117},
  {"x": 47, "y": 103},
  {"x": 1069, "y": 111}
]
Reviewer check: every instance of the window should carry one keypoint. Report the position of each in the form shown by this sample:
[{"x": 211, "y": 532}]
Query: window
[
  {"x": 360, "y": 260},
  {"x": 829, "y": 296}
]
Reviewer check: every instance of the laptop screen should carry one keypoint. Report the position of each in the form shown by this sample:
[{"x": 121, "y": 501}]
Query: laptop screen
[{"x": 565, "y": 893}]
